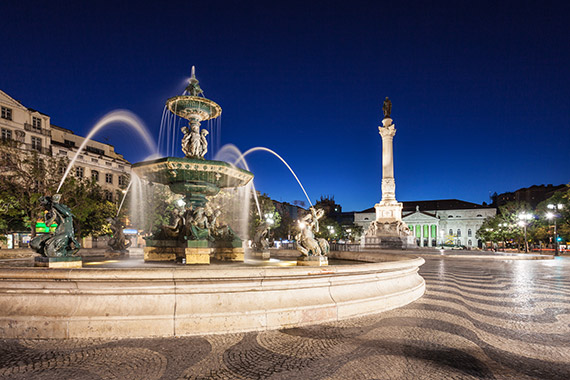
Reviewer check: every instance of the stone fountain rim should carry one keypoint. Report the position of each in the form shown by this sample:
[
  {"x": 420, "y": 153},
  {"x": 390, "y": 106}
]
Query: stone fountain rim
[{"x": 212, "y": 272}]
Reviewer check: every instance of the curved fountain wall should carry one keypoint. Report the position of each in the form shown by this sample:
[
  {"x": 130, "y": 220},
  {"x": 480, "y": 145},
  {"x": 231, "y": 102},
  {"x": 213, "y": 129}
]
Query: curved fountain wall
[{"x": 82, "y": 303}]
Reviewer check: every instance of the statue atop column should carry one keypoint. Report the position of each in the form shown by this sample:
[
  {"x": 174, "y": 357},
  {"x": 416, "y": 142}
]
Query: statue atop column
[{"x": 387, "y": 107}]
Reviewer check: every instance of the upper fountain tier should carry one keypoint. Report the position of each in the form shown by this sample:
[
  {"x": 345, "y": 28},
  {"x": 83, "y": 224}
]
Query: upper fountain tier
[{"x": 193, "y": 107}]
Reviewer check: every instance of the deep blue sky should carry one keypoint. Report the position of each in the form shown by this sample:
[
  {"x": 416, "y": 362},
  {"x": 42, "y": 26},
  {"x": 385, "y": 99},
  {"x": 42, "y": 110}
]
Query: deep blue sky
[{"x": 480, "y": 90}]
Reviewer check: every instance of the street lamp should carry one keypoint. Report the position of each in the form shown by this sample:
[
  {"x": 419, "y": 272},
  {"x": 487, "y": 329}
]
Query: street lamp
[
  {"x": 554, "y": 215},
  {"x": 523, "y": 221}
]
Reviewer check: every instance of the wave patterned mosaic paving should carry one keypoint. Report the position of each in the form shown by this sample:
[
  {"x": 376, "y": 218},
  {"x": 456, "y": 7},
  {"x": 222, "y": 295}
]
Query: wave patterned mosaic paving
[{"x": 479, "y": 319}]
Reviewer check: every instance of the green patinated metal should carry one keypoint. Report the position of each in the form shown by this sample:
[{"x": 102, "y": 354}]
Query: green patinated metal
[{"x": 194, "y": 178}]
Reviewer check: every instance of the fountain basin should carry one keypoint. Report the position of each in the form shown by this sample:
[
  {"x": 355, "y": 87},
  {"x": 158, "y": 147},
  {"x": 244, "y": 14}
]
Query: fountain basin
[
  {"x": 191, "y": 177},
  {"x": 194, "y": 107},
  {"x": 178, "y": 301}
]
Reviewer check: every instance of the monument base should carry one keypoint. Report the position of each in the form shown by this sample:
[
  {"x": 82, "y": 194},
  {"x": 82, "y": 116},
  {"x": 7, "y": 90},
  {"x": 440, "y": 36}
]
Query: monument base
[
  {"x": 312, "y": 261},
  {"x": 198, "y": 254},
  {"x": 112, "y": 254},
  {"x": 389, "y": 242},
  {"x": 259, "y": 255},
  {"x": 229, "y": 254},
  {"x": 59, "y": 262}
]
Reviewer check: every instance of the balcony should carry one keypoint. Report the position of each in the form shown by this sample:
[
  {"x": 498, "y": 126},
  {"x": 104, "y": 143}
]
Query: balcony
[{"x": 30, "y": 128}]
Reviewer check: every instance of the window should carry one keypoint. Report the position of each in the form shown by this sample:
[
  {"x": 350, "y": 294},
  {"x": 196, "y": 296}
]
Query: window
[
  {"x": 79, "y": 172},
  {"x": 458, "y": 232},
  {"x": 450, "y": 216},
  {"x": 109, "y": 196},
  {"x": 469, "y": 232},
  {"x": 94, "y": 150},
  {"x": 6, "y": 134},
  {"x": 68, "y": 143},
  {"x": 122, "y": 180},
  {"x": 450, "y": 231},
  {"x": 108, "y": 178},
  {"x": 108, "y": 164},
  {"x": 94, "y": 160},
  {"x": 37, "y": 143},
  {"x": 37, "y": 124},
  {"x": 62, "y": 153},
  {"x": 479, "y": 216},
  {"x": 121, "y": 167},
  {"x": 6, "y": 113},
  {"x": 95, "y": 175}
]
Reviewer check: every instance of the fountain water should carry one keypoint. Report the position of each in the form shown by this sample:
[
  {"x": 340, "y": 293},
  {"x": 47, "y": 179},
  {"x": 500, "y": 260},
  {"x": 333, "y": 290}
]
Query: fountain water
[
  {"x": 259, "y": 148},
  {"x": 119, "y": 116}
]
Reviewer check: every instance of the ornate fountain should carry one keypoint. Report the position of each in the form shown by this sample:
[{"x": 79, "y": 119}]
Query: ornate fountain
[{"x": 196, "y": 234}]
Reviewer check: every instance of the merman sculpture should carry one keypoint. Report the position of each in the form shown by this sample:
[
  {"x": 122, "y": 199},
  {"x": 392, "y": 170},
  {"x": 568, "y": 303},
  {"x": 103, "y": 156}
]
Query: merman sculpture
[
  {"x": 62, "y": 242},
  {"x": 313, "y": 250}
]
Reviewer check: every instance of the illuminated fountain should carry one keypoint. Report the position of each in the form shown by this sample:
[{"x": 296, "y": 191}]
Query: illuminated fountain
[
  {"x": 196, "y": 233},
  {"x": 174, "y": 300}
]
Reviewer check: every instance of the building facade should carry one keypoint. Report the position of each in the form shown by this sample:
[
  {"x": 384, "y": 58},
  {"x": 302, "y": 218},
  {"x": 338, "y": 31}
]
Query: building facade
[
  {"x": 439, "y": 222},
  {"x": 24, "y": 130},
  {"x": 31, "y": 130}
]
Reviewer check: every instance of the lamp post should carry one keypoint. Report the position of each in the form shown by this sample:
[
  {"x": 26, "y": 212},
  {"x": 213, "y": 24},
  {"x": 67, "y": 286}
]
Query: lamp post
[
  {"x": 554, "y": 215},
  {"x": 523, "y": 221}
]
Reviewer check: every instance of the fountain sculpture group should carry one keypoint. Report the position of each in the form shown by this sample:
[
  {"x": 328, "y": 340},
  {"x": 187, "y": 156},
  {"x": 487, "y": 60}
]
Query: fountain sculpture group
[{"x": 196, "y": 234}]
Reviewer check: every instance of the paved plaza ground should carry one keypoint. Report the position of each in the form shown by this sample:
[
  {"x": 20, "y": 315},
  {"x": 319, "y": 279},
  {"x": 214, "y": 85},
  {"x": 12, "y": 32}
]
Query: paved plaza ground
[{"x": 479, "y": 319}]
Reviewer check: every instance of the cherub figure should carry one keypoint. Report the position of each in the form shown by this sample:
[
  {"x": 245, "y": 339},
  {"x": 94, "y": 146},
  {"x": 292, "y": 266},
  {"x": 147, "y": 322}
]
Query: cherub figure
[
  {"x": 204, "y": 141},
  {"x": 195, "y": 142}
]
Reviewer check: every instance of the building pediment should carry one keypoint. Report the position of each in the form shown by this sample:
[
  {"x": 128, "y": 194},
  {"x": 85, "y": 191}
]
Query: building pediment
[
  {"x": 419, "y": 216},
  {"x": 8, "y": 101}
]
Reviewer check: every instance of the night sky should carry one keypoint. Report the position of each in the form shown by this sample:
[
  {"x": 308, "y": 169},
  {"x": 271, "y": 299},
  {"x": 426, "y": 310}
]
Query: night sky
[{"x": 480, "y": 90}]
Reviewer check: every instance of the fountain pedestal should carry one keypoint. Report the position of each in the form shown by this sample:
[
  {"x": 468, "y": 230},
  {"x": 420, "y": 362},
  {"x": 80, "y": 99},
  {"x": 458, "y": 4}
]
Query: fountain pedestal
[
  {"x": 59, "y": 262},
  {"x": 312, "y": 261}
]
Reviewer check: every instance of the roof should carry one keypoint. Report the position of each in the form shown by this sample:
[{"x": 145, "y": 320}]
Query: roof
[
  {"x": 33, "y": 110},
  {"x": 441, "y": 204},
  {"x": 435, "y": 205}
]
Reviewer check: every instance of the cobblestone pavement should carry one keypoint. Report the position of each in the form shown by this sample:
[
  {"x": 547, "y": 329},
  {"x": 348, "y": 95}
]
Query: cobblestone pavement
[{"x": 478, "y": 320}]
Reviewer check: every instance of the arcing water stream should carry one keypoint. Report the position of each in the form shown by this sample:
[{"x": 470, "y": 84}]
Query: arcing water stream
[{"x": 119, "y": 116}]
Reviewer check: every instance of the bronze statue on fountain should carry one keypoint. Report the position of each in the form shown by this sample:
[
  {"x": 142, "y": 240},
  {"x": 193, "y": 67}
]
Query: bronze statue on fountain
[{"x": 57, "y": 249}]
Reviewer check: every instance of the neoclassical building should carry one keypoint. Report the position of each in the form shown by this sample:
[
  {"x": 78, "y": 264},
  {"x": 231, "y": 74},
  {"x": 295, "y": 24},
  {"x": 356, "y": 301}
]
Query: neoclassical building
[
  {"x": 32, "y": 130},
  {"x": 437, "y": 222}
]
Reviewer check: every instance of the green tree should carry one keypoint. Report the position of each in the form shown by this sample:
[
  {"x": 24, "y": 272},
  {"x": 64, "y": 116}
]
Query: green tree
[
  {"x": 268, "y": 212},
  {"x": 30, "y": 175}
]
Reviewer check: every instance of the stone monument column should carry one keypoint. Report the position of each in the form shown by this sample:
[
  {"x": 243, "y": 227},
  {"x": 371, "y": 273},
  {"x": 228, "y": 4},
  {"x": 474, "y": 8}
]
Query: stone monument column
[
  {"x": 388, "y": 230},
  {"x": 388, "y": 131}
]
